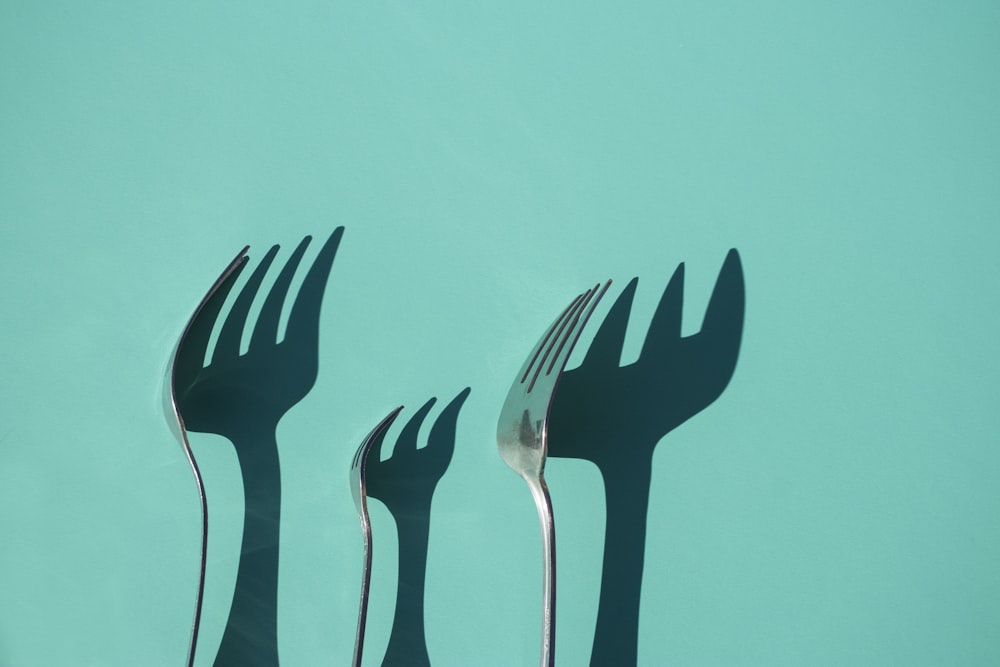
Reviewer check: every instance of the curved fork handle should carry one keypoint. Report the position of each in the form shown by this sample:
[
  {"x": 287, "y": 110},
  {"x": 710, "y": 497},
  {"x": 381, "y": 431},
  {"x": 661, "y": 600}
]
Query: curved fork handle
[
  {"x": 372, "y": 442},
  {"x": 194, "y": 336},
  {"x": 543, "y": 503}
]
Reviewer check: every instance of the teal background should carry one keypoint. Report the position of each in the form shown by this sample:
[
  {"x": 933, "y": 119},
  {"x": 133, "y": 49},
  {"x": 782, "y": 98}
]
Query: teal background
[{"x": 837, "y": 505}]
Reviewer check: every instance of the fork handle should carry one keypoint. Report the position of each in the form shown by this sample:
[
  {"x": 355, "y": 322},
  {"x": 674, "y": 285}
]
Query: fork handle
[{"x": 543, "y": 503}]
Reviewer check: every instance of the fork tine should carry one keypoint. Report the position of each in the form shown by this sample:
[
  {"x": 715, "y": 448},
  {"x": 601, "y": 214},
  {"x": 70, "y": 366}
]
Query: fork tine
[
  {"x": 266, "y": 330},
  {"x": 373, "y": 441},
  {"x": 573, "y": 333},
  {"x": 232, "y": 330},
  {"x": 605, "y": 350},
  {"x": 190, "y": 355},
  {"x": 303, "y": 321},
  {"x": 540, "y": 345},
  {"x": 553, "y": 338},
  {"x": 576, "y": 325},
  {"x": 568, "y": 337},
  {"x": 358, "y": 453}
]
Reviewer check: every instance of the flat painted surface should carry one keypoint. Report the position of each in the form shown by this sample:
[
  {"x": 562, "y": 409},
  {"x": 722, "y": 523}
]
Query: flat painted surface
[{"x": 837, "y": 505}]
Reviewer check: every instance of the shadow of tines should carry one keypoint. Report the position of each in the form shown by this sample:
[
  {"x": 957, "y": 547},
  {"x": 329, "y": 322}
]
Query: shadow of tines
[
  {"x": 242, "y": 397},
  {"x": 405, "y": 484},
  {"x": 614, "y": 416}
]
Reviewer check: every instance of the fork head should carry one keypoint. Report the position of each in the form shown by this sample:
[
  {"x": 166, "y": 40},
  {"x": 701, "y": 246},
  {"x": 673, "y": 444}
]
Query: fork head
[
  {"x": 522, "y": 429},
  {"x": 358, "y": 491},
  {"x": 359, "y": 464},
  {"x": 181, "y": 368}
]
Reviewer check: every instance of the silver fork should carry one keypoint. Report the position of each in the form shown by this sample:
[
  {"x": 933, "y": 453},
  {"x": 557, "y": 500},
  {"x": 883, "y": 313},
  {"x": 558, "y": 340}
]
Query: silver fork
[
  {"x": 360, "y": 493},
  {"x": 522, "y": 435},
  {"x": 242, "y": 397},
  {"x": 175, "y": 380}
]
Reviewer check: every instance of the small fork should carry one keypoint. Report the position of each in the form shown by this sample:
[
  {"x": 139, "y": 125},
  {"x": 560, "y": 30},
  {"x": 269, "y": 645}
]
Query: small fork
[
  {"x": 522, "y": 434},
  {"x": 360, "y": 492}
]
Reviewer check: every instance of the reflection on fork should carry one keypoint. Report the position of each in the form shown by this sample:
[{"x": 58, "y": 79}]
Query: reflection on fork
[
  {"x": 359, "y": 491},
  {"x": 615, "y": 415},
  {"x": 405, "y": 483},
  {"x": 242, "y": 397},
  {"x": 522, "y": 436}
]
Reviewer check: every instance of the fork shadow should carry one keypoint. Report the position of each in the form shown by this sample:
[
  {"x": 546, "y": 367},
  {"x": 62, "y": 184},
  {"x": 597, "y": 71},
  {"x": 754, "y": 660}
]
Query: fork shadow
[
  {"x": 243, "y": 397},
  {"x": 405, "y": 484},
  {"x": 613, "y": 416}
]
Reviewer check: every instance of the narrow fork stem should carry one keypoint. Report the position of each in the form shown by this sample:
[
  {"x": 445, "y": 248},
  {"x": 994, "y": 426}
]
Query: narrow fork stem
[
  {"x": 366, "y": 571},
  {"x": 543, "y": 504},
  {"x": 193, "y": 646}
]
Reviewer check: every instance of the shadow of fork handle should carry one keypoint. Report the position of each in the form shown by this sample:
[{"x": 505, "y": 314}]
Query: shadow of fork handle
[
  {"x": 251, "y": 635},
  {"x": 405, "y": 484},
  {"x": 616, "y": 635}
]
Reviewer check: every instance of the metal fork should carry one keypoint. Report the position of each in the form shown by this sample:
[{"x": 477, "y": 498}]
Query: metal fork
[
  {"x": 177, "y": 377},
  {"x": 360, "y": 493},
  {"x": 522, "y": 434},
  {"x": 242, "y": 397}
]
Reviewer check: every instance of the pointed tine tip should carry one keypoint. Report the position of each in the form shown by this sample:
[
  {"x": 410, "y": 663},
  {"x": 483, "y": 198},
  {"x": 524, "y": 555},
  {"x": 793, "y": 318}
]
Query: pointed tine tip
[
  {"x": 241, "y": 256},
  {"x": 546, "y": 338},
  {"x": 567, "y": 333},
  {"x": 600, "y": 291},
  {"x": 564, "y": 334},
  {"x": 559, "y": 336},
  {"x": 391, "y": 417},
  {"x": 376, "y": 433},
  {"x": 593, "y": 296}
]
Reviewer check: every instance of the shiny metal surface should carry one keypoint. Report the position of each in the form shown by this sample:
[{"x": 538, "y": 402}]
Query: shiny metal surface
[
  {"x": 522, "y": 435},
  {"x": 216, "y": 295},
  {"x": 359, "y": 492}
]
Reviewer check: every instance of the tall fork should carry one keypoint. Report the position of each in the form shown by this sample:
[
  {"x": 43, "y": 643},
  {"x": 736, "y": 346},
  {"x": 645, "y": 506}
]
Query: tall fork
[
  {"x": 242, "y": 397},
  {"x": 175, "y": 382},
  {"x": 522, "y": 435}
]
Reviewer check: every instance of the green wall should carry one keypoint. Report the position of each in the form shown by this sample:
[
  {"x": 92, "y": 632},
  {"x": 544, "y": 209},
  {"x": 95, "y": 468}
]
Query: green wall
[{"x": 837, "y": 505}]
